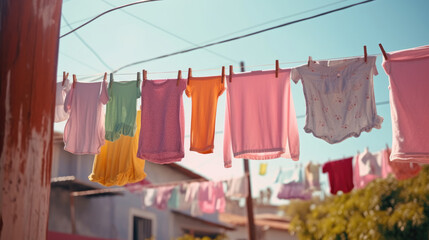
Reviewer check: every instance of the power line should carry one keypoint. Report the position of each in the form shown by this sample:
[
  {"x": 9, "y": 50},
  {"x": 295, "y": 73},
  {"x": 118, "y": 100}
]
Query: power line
[
  {"x": 172, "y": 34},
  {"x": 243, "y": 36},
  {"x": 274, "y": 20},
  {"x": 87, "y": 45},
  {"x": 103, "y": 13},
  {"x": 79, "y": 61}
]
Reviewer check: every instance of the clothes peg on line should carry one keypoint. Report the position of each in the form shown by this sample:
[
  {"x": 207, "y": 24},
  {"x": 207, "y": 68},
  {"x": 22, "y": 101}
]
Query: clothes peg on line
[
  {"x": 144, "y": 77},
  {"x": 138, "y": 79},
  {"x": 189, "y": 75},
  {"x": 74, "y": 80},
  {"x": 309, "y": 60},
  {"x": 230, "y": 73},
  {"x": 277, "y": 68},
  {"x": 223, "y": 74},
  {"x": 111, "y": 79},
  {"x": 105, "y": 77},
  {"x": 65, "y": 76},
  {"x": 384, "y": 52},
  {"x": 365, "y": 53},
  {"x": 179, "y": 77}
]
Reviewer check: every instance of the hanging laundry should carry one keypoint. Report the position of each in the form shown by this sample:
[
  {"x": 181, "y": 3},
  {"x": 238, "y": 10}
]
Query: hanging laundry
[
  {"x": 84, "y": 131},
  {"x": 340, "y": 173},
  {"x": 121, "y": 109},
  {"x": 174, "y": 201},
  {"x": 148, "y": 197},
  {"x": 367, "y": 167},
  {"x": 191, "y": 198},
  {"x": 117, "y": 163},
  {"x": 312, "y": 176},
  {"x": 163, "y": 195},
  {"x": 409, "y": 87},
  {"x": 162, "y": 130},
  {"x": 211, "y": 197},
  {"x": 137, "y": 187},
  {"x": 204, "y": 92},
  {"x": 237, "y": 187},
  {"x": 260, "y": 121},
  {"x": 339, "y": 95},
  {"x": 294, "y": 189},
  {"x": 402, "y": 170},
  {"x": 263, "y": 169},
  {"x": 61, "y": 93},
  {"x": 288, "y": 175}
]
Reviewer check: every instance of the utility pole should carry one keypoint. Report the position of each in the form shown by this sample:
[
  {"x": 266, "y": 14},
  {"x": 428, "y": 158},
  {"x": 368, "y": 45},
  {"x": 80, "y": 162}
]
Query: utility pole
[
  {"x": 29, "y": 31},
  {"x": 249, "y": 200}
]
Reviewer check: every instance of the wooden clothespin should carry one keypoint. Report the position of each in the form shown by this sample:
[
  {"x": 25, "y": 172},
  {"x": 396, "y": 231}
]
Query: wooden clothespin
[
  {"x": 144, "y": 77},
  {"x": 105, "y": 77},
  {"x": 74, "y": 80},
  {"x": 277, "y": 68},
  {"x": 384, "y": 52},
  {"x": 65, "y": 76},
  {"x": 231, "y": 71},
  {"x": 365, "y": 54},
  {"x": 179, "y": 77},
  {"x": 223, "y": 74},
  {"x": 138, "y": 79},
  {"x": 111, "y": 80},
  {"x": 189, "y": 75},
  {"x": 309, "y": 60}
]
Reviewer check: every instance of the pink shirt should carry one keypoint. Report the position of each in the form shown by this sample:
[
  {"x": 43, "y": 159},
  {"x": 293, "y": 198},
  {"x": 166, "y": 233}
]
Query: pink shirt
[
  {"x": 162, "y": 121},
  {"x": 260, "y": 121},
  {"x": 84, "y": 131},
  {"x": 408, "y": 72}
]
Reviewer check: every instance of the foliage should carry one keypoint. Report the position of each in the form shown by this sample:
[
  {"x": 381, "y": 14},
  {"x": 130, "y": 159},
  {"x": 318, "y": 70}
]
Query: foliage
[{"x": 385, "y": 209}]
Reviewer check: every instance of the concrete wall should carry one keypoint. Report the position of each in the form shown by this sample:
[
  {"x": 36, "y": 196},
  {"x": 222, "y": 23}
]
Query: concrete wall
[{"x": 111, "y": 216}]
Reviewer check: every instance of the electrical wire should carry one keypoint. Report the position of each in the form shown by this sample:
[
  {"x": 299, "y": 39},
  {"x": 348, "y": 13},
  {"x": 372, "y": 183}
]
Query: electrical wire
[
  {"x": 242, "y": 36},
  {"x": 103, "y": 13},
  {"x": 87, "y": 45},
  {"x": 274, "y": 20},
  {"x": 78, "y": 61},
  {"x": 171, "y": 34}
]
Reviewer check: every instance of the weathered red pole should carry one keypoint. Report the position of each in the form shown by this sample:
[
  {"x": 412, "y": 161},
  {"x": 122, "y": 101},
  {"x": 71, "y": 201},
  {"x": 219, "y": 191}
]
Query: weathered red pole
[{"x": 29, "y": 42}]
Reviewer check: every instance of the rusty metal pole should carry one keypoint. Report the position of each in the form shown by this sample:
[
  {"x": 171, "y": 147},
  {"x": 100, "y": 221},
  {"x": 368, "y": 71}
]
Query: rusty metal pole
[
  {"x": 249, "y": 200},
  {"x": 29, "y": 31}
]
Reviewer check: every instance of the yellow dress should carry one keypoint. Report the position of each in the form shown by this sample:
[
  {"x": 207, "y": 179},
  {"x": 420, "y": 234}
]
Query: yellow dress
[{"x": 117, "y": 163}]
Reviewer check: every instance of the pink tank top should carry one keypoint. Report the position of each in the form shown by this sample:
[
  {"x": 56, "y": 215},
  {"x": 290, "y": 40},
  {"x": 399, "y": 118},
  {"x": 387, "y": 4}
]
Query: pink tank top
[{"x": 162, "y": 121}]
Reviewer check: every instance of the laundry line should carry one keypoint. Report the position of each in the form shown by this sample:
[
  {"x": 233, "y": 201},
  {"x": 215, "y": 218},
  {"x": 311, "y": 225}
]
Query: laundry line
[
  {"x": 101, "y": 74},
  {"x": 123, "y": 189}
]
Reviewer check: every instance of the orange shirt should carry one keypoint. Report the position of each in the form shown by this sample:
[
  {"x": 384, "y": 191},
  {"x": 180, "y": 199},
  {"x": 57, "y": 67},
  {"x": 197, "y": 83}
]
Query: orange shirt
[{"x": 204, "y": 92}]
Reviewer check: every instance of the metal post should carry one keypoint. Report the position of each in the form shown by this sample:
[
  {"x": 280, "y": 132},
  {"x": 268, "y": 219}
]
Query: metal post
[
  {"x": 29, "y": 42},
  {"x": 249, "y": 200}
]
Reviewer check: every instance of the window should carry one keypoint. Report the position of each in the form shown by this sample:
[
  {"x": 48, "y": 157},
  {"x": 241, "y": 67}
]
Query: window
[
  {"x": 141, "y": 225},
  {"x": 142, "y": 228}
]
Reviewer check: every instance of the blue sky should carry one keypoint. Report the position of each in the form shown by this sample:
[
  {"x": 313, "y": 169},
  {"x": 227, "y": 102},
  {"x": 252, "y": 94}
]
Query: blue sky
[{"x": 129, "y": 35}]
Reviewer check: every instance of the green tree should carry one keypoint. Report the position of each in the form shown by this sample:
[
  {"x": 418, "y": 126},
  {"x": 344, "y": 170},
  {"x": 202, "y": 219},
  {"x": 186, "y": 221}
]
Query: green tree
[{"x": 385, "y": 209}]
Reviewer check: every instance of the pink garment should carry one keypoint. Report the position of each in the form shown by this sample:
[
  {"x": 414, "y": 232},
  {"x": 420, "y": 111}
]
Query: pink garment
[
  {"x": 211, "y": 197},
  {"x": 408, "y": 72},
  {"x": 84, "y": 131},
  {"x": 61, "y": 93},
  {"x": 162, "y": 121},
  {"x": 163, "y": 194},
  {"x": 260, "y": 121},
  {"x": 360, "y": 179},
  {"x": 402, "y": 170},
  {"x": 294, "y": 190}
]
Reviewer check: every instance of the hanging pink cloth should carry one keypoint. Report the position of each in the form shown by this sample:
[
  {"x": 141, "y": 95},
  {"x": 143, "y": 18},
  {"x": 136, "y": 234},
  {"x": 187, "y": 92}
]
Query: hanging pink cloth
[
  {"x": 408, "y": 72},
  {"x": 260, "y": 120},
  {"x": 162, "y": 121},
  {"x": 84, "y": 131}
]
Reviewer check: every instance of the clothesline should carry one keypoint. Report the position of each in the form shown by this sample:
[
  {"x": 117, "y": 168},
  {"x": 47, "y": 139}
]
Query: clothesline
[
  {"x": 101, "y": 74},
  {"x": 123, "y": 189}
]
